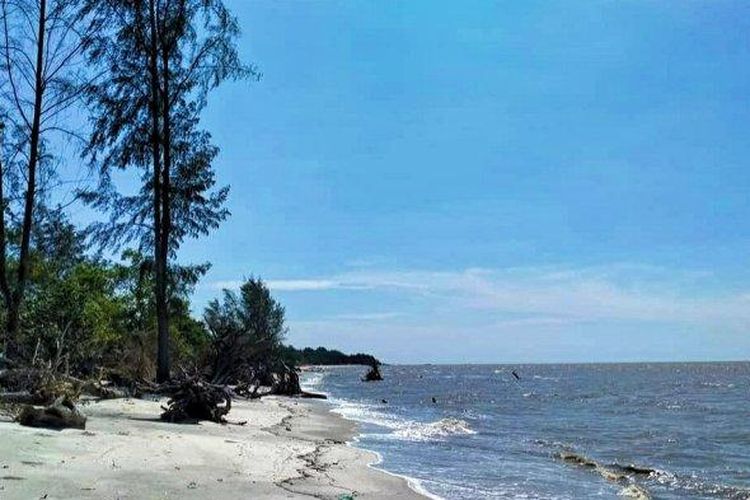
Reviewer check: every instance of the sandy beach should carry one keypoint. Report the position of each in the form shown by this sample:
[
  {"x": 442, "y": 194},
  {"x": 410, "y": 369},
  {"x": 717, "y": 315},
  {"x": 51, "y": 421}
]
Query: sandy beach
[{"x": 286, "y": 449}]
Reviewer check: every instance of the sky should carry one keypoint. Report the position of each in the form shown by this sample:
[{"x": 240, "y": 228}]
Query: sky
[{"x": 456, "y": 182}]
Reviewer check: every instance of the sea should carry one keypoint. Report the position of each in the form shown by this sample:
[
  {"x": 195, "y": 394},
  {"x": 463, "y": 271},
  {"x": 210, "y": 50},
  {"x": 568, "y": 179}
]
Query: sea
[{"x": 652, "y": 430}]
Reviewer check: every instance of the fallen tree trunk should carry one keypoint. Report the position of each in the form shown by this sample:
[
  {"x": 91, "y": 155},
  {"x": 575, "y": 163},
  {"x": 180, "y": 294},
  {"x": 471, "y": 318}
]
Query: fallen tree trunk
[
  {"x": 59, "y": 415},
  {"x": 101, "y": 391}
]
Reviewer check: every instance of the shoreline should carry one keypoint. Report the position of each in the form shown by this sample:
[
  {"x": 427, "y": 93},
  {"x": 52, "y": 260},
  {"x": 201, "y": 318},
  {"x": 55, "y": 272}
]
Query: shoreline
[
  {"x": 413, "y": 483},
  {"x": 288, "y": 448}
]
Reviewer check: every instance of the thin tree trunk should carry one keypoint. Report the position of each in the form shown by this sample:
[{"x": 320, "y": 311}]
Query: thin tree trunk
[
  {"x": 162, "y": 314},
  {"x": 12, "y": 326},
  {"x": 4, "y": 285}
]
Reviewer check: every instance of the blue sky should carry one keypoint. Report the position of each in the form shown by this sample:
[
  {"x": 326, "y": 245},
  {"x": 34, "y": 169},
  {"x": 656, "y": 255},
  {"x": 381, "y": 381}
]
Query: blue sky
[{"x": 492, "y": 181}]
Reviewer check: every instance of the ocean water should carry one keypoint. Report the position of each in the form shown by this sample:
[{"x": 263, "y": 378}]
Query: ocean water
[{"x": 685, "y": 428}]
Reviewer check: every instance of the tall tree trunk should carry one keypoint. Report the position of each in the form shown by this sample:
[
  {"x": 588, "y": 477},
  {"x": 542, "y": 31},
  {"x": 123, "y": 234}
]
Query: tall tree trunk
[
  {"x": 162, "y": 314},
  {"x": 166, "y": 217},
  {"x": 14, "y": 309}
]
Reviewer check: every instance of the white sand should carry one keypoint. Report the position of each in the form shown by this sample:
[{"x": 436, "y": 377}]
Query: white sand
[{"x": 287, "y": 449}]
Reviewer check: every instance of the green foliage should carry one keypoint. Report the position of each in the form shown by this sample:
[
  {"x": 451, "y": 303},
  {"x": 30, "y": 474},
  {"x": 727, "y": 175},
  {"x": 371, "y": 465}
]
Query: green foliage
[
  {"x": 83, "y": 313},
  {"x": 246, "y": 330},
  {"x": 76, "y": 319}
]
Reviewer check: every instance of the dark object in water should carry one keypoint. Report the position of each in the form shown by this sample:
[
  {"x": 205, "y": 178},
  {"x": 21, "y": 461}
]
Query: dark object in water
[
  {"x": 513, "y": 372},
  {"x": 373, "y": 375},
  {"x": 384, "y": 401},
  {"x": 637, "y": 470},
  {"x": 312, "y": 395},
  {"x": 434, "y": 399},
  {"x": 59, "y": 415},
  {"x": 574, "y": 458}
]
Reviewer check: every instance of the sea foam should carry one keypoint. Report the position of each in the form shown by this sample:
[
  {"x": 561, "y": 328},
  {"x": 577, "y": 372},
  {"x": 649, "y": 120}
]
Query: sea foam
[{"x": 402, "y": 428}]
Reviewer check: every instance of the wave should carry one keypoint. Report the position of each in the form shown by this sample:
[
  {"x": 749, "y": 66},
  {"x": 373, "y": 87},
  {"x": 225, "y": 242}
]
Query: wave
[
  {"x": 435, "y": 430},
  {"x": 399, "y": 427},
  {"x": 716, "y": 384},
  {"x": 311, "y": 380}
]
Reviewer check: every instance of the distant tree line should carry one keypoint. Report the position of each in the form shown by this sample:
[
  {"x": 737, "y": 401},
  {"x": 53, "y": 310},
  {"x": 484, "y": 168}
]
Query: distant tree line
[{"x": 323, "y": 356}]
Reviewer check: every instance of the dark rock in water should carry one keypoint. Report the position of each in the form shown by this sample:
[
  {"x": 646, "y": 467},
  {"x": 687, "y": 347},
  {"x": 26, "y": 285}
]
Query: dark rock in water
[
  {"x": 615, "y": 473},
  {"x": 59, "y": 415},
  {"x": 373, "y": 375},
  {"x": 634, "y": 469},
  {"x": 574, "y": 458}
]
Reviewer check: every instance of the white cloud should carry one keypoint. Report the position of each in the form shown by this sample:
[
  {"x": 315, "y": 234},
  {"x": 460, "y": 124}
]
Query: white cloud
[
  {"x": 617, "y": 312},
  {"x": 301, "y": 285},
  {"x": 544, "y": 294},
  {"x": 225, "y": 285},
  {"x": 296, "y": 285}
]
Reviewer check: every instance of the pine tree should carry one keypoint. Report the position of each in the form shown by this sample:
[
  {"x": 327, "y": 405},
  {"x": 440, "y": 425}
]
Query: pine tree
[
  {"x": 161, "y": 58},
  {"x": 41, "y": 45}
]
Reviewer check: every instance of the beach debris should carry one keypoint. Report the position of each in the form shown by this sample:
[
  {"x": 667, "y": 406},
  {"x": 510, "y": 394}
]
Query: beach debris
[
  {"x": 59, "y": 415},
  {"x": 373, "y": 375},
  {"x": 254, "y": 381},
  {"x": 196, "y": 400},
  {"x": 35, "y": 386},
  {"x": 286, "y": 381},
  {"x": 21, "y": 397}
]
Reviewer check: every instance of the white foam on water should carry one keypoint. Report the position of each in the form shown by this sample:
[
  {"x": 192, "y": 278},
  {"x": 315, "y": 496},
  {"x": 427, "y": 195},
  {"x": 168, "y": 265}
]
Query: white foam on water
[
  {"x": 402, "y": 428},
  {"x": 310, "y": 381},
  {"x": 435, "y": 430}
]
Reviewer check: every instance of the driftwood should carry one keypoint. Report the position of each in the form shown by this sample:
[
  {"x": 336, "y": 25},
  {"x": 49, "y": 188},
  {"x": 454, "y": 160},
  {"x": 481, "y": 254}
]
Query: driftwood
[
  {"x": 98, "y": 389},
  {"x": 196, "y": 400},
  {"x": 22, "y": 398},
  {"x": 312, "y": 395},
  {"x": 264, "y": 380},
  {"x": 40, "y": 387},
  {"x": 59, "y": 415},
  {"x": 373, "y": 375},
  {"x": 286, "y": 382}
]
